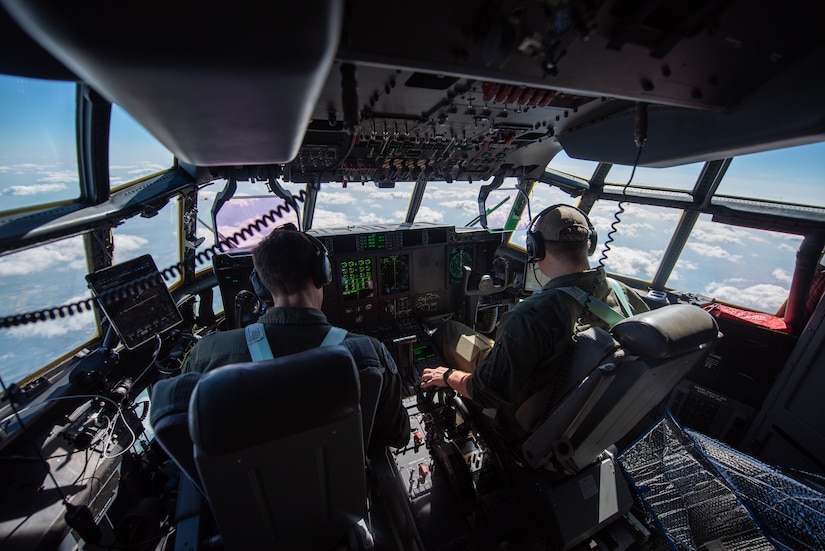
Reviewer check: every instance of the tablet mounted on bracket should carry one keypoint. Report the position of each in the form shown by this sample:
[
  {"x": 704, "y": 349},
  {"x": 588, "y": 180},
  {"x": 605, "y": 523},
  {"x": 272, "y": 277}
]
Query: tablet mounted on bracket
[{"x": 135, "y": 299}]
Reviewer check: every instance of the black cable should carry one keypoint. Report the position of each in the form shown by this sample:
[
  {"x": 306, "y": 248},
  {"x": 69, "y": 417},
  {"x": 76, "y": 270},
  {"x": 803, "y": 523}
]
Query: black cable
[
  {"x": 72, "y": 397},
  {"x": 131, "y": 288},
  {"x": 37, "y": 450},
  {"x": 606, "y": 247},
  {"x": 529, "y": 225},
  {"x": 155, "y": 355},
  {"x": 78, "y": 517},
  {"x": 619, "y": 210}
]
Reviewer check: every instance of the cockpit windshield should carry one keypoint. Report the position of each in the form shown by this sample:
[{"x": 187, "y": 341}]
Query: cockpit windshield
[{"x": 359, "y": 204}]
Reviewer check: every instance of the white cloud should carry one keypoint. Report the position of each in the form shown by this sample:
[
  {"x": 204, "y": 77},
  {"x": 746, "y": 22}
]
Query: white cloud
[
  {"x": 634, "y": 222},
  {"x": 786, "y": 247},
  {"x": 337, "y": 199},
  {"x": 782, "y": 276},
  {"x": 469, "y": 208},
  {"x": 147, "y": 168},
  {"x": 631, "y": 262},
  {"x": 129, "y": 243},
  {"x": 33, "y": 189},
  {"x": 606, "y": 211},
  {"x": 84, "y": 321},
  {"x": 61, "y": 176},
  {"x": 330, "y": 219},
  {"x": 713, "y": 251},
  {"x": 50, "y": 257},
  {"x": 426, "y": 214},
  {"x": 383, "y": 195},
  {"x": 452, "y": 192},
  {"x": 634, "y": 230},
  {"x": 712, "y": 232},
  {"x": 374, "y": 218},
  {"x": 240, "y": 201},
  {"x": 762, "y": 297},
  {"x": 138, "y": 168}
]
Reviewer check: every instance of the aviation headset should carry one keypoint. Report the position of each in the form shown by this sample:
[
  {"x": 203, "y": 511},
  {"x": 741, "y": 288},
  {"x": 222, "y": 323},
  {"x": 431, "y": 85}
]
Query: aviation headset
[
  {"x": 321, "y": 269},
  {"x": 535, "y": 240}
]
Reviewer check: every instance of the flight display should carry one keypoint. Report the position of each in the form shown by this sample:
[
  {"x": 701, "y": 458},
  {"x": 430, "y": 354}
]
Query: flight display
[
  {"x": 395, "y": 274},
  {"x": 372, "y": 241},
  {"x": 458, "y": 259},
  {"x": 357, "y": 280}
]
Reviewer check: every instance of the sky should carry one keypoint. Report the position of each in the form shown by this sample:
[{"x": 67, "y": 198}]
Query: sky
[{"x": 38, "y": 166}]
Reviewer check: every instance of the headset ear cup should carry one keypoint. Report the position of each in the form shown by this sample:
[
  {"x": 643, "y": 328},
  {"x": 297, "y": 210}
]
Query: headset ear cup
[
  {"x": 535, "y": 246},
  {"x": 322, "y": 269},
  {"x": 594, "y": 241},
  {"x": 257, "y": 286},
  {"x": 322, "y": 274}
]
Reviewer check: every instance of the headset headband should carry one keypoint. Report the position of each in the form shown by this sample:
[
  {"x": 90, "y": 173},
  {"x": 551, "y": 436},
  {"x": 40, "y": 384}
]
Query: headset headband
[{"x": 535, "y": 240}]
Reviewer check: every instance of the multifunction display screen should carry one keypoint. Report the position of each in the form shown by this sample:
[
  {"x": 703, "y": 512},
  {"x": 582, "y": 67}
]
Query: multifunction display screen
[
  {"x": 374, "y": 241},
  {"x": 395, "y": 274},
  {"x": 357, "y": 280}
]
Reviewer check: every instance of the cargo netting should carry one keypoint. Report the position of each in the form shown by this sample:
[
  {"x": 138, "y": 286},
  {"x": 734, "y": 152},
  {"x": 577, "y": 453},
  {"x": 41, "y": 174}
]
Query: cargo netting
[
  {"x": 790, "y": 512},
  {"x": 690, "y": 502}
]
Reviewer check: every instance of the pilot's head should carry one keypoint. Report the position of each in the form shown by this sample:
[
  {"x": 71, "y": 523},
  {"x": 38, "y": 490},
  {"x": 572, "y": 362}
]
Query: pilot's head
[
  {"x": 564, "y": 232},
  {"x": 288, "y": 262}
]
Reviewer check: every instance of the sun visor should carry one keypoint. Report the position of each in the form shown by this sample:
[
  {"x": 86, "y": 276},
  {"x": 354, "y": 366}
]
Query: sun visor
[{"x": 220, "y": 84}]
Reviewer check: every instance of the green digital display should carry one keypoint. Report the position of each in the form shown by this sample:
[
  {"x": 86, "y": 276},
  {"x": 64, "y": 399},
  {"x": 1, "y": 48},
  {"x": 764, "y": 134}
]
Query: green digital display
[
  {"x": 374, "y": 241},
  {"x": 458, "y": 259},
  {"x": 357, "y": 279},
  {"x": 395, "y": 274},
  {"x": 423, "y": 352}
]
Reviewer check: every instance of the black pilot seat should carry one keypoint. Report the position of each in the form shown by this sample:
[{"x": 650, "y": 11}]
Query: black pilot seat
[{"x": 574, "y": 484}]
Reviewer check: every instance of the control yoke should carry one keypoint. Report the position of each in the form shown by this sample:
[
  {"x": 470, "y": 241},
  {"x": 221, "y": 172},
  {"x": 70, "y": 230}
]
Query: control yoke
[{"x": 476, "y": 283}]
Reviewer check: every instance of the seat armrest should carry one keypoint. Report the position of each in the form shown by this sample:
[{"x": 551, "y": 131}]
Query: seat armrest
[{"x": 667, "y": 331}]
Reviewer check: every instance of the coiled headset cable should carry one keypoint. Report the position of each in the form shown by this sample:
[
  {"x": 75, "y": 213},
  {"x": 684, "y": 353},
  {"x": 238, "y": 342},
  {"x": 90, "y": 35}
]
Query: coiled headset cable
[{"x": 140, "y": 284}]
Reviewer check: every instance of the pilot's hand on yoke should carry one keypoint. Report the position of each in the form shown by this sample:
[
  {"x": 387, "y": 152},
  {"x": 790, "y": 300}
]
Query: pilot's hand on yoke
[{"x": 434, "y": 377}]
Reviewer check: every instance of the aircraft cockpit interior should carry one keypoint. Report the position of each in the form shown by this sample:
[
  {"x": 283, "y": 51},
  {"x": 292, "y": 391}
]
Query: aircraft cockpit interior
[{"x": 146, "y": 151}]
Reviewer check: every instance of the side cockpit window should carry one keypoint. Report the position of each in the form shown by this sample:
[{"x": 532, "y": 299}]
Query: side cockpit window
[
  {"x": 133, "y": 152},
  {"x": 38, "y": 157},
  {"x": 39, "y": 279}
]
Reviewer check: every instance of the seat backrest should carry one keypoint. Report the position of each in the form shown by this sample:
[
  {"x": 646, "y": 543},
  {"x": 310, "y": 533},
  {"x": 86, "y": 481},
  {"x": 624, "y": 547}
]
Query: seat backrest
[
  {"x": 371, "y": 379},
  {"x": 169, "y": 419},
  {"x": 654, "y": 351},
  {"x": 278, "y": 445}
]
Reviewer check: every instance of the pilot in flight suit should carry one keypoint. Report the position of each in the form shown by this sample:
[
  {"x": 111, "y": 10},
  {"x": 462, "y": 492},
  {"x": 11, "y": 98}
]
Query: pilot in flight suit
[
  {"x": 534, "y": 335},
  {"x": 293, "y": 268}
]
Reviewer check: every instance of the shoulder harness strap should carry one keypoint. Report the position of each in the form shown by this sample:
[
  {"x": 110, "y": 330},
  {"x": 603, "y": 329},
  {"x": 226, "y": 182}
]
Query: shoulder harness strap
[
  {"x": 256, "y": 342},
  {"x": 259, "y": 347},
  {"x": 334, "y": 336},
  {"x": 595, "y": 305},
  {"x": 621, "y": 296}
]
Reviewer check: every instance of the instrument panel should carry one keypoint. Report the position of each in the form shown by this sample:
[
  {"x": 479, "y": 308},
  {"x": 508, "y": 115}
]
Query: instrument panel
[
  {"x": 384, "y": 273},
  {"x": 380, "y": 273}
]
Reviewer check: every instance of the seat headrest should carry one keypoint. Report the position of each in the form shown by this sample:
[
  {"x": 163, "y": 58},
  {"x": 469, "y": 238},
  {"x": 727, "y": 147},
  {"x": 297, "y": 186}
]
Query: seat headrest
[
  {"x": 246, "y": 404},
  {"x": 666, "y": 331}
]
